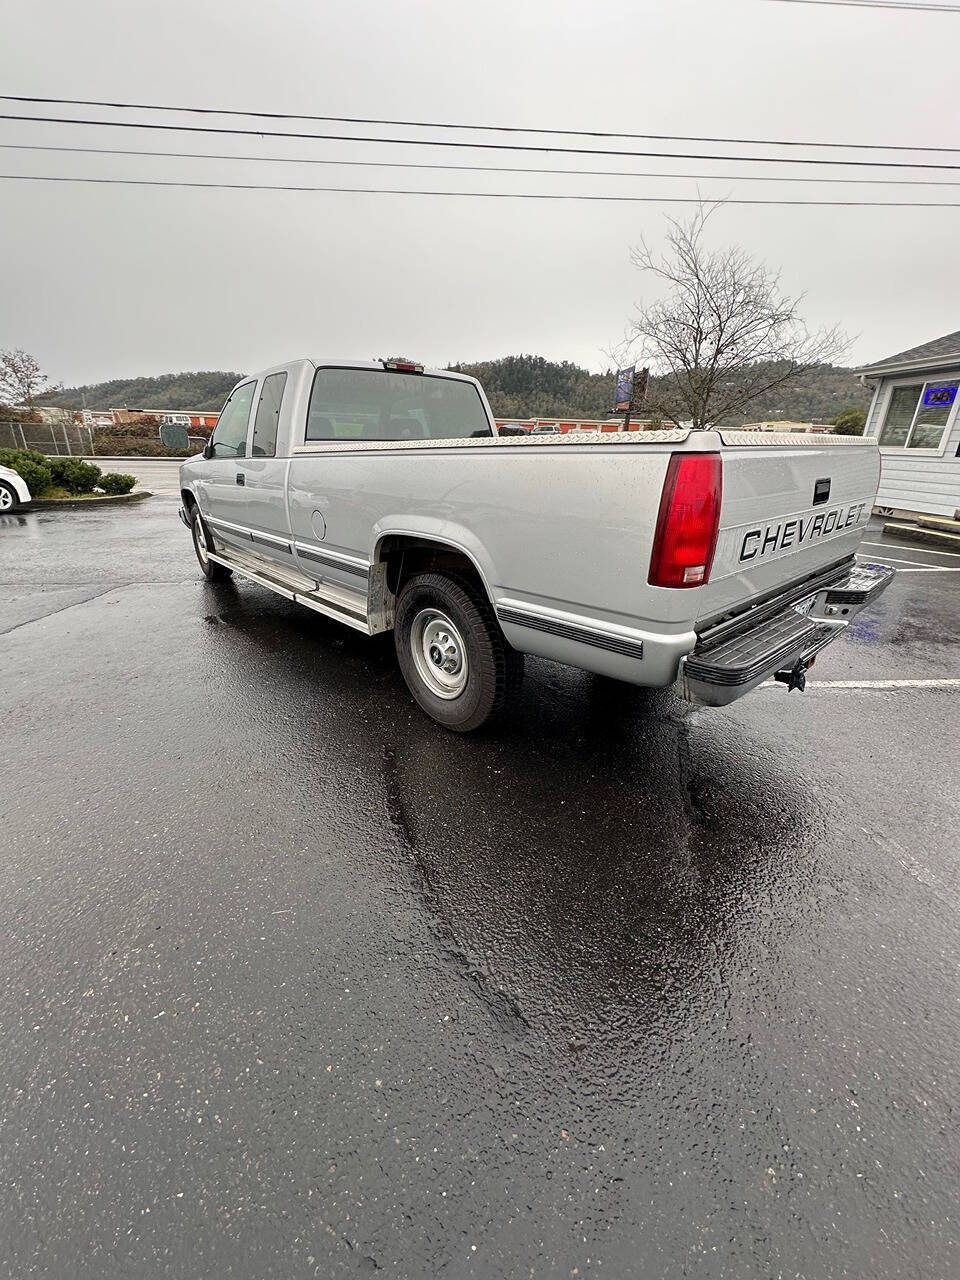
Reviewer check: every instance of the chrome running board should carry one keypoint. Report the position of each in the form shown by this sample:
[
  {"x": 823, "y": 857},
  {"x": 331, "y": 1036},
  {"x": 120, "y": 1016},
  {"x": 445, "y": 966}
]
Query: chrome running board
[{"x": 349, "y": 607}]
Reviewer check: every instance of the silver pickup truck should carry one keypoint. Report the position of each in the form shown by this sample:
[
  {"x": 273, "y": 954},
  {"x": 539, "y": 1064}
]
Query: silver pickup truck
[{"x": 382, "y": 496}]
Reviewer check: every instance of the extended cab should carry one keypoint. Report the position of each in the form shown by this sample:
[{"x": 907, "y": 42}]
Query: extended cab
[{"x": 382, "y": 496}]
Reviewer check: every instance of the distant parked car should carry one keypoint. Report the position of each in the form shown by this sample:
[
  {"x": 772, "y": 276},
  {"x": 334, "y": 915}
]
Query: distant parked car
[
  {"x": 13, "y": 490},
  {"x": 546, "y": 431}
]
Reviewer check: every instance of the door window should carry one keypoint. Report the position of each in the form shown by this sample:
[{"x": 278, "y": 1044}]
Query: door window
[
  {"x": 229, "y": 439},
  {"x": 264, "y": 443}
]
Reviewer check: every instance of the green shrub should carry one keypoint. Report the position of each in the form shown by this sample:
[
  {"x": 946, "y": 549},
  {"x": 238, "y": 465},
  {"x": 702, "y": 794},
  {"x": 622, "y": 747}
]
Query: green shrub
[
  {"x": 74, "y": 475},
  {"x": 33, "y": 467},
  {"x": 116, "y": 482},
  {"x": 134, "y": 446}
]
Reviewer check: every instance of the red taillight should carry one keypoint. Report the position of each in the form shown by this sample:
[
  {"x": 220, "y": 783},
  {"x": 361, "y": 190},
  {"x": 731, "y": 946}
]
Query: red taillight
[{"x": 689, "y": 518}]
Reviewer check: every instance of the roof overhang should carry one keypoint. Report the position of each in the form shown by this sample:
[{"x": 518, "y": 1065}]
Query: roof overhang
[{"x": 893, "y": 368}]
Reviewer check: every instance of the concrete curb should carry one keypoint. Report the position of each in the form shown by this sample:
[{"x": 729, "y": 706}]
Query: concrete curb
[
  {"x": 74, "y": 504},
  {"x": 915, "y": 533}
]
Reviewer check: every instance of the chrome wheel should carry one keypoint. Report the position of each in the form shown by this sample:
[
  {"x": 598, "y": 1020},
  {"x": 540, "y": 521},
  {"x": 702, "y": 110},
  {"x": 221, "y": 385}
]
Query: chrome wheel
[
  {"x": 6, "y": 498},
  {"x": 439, "y": 654},
  {"x": 200, "y": 542}
]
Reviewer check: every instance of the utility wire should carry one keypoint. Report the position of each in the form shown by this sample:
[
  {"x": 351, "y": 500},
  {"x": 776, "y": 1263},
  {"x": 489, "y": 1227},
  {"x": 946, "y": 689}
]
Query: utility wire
[
  {"x": 482, "y": 146},
  {"x": 484, "y": 128},
  {"x": 487, "y": 168},
  {"x": 473, "y": 195},
  {"x": 879, "y": 4}
]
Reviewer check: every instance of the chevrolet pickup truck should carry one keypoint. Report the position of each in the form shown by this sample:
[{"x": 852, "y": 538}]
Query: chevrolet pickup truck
[{"x": 382, "y": 496}]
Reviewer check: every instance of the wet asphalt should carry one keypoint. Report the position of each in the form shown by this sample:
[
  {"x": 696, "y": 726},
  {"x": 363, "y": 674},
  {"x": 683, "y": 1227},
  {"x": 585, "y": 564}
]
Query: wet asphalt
[{"x": 294, "y": 983}]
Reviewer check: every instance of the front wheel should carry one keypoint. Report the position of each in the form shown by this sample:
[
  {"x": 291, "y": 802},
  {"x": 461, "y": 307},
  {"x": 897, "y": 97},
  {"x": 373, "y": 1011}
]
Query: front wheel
[
  {"x": 453, "y": 655},
  {"x": 202, "y": 545},
  {"x": 9, "y": 498}
]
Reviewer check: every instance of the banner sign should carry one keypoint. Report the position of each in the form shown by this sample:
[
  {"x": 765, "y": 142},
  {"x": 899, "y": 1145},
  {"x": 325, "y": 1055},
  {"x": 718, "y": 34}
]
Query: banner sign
[
  {"x": 624, "y": 400},
  {"x": 939, "y": 397}
]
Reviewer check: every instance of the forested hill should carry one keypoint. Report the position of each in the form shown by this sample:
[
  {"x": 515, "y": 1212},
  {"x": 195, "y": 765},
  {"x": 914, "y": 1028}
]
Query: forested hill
[
  {"x": 206, "y": 390},
  {"x": 517, "y": 386},
  {"x": 531, "y": 387}
]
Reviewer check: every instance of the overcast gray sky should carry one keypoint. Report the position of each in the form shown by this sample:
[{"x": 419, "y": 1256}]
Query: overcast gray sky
[{"x": 111, "y": 281}]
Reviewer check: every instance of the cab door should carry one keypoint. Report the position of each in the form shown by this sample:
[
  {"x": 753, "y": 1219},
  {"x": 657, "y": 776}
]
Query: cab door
[
  {"x": 264, "y": 476},
  {"x": 221, "y": 489}
]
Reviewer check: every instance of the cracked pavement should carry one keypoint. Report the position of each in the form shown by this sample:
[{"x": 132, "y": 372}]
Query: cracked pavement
[{"x": 294, "y": 983}]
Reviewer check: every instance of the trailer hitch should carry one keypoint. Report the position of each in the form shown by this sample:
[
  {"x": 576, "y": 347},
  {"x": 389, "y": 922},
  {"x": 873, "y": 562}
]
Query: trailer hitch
[{"x": 796, "y": 677}]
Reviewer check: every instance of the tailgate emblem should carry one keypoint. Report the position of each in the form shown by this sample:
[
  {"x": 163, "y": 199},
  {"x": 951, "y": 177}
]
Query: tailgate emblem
[{"x": 821, "y": 491}]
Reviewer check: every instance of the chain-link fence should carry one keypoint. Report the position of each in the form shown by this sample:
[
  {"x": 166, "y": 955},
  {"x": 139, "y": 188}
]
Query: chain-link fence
[{"x": 53, "y": 439}]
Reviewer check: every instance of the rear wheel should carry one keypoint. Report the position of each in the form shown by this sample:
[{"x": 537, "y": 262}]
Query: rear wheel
[
  {"x": 9, "y": 498},
  {"x": 452, "y": 652},
  {"x": 203, "y": 545}
]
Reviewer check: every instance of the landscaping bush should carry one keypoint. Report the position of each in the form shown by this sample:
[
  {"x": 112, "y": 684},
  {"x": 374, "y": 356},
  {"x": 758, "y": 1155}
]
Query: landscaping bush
[
  {"x": 114, "y": 445},
  {"x": 33, "y": 467},
  {"x": 116, "y": 482},
  {"x": 74, "y": 475}
]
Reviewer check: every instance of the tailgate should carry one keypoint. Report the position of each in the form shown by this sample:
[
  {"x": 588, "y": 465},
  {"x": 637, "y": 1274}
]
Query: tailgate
[{"x": 791, "y": 505}]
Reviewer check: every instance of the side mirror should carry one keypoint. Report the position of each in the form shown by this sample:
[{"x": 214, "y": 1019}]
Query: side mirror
[
  {"x": 208, "y": 449},
  {"x": 175, "y": 436}
]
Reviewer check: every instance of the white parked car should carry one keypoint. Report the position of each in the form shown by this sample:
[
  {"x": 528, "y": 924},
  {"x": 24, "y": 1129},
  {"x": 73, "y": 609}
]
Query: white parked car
[{"x": 13, "y": 490}]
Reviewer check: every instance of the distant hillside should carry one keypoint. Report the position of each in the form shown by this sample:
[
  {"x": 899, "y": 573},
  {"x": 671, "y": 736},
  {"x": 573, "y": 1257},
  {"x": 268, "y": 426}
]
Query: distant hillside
[
  {"x": 816, "y": 396},
  {"x": 531, "y": 387},
  {"x": 517, "y": 386},
  {"x": 206, "y": 390}
]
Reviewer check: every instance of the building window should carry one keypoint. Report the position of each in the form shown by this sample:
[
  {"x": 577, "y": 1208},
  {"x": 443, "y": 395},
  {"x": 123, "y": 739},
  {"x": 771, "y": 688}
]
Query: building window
[{"x": 917, "y": 415}]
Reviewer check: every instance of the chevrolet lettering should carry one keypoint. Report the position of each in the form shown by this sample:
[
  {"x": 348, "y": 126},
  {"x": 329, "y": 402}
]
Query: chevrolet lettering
[
  {"x": 800, "y": 530},
  {"x": 381, "y": 496}
]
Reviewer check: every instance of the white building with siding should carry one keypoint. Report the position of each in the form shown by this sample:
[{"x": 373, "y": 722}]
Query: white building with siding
[{"x": 914, "y": 415}]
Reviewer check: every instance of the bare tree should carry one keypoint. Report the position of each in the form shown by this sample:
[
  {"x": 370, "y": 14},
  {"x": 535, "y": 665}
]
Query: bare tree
[
  {"x": 722, "y": 334},
  {"x": 21, "y": 378}
]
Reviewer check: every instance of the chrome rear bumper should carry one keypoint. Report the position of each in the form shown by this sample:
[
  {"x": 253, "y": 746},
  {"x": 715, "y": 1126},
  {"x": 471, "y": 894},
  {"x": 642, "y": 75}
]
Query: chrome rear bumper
[{"x": 733, "y": 659}]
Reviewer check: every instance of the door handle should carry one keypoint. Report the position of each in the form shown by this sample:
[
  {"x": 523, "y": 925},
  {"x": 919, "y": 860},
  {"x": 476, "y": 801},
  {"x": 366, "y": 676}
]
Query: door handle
[{"x": 241, "y": 478}]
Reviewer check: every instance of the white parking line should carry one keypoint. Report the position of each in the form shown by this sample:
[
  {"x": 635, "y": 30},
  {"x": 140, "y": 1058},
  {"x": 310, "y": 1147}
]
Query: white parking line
[
  {"x": 897, "y": 560},
  {"x": 918, "y": 565},
  {"x": 874, "y": 684},
  {"x": 923, "y": 551}
]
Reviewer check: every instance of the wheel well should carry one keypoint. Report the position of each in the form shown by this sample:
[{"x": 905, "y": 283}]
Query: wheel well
[
  {"x": 188, "y": 500},
  {"x": 405, "y": 556}
]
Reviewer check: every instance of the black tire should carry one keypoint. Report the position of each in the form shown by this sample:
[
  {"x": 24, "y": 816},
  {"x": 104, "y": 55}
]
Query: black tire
[
  {"x": 202, "y": 543},
  {"x": 453, "y": 655},
  {"x": 9, "y": 499}
]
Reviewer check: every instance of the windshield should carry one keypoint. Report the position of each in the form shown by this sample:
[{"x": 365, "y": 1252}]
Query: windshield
[{"x": 374, "y": 404}]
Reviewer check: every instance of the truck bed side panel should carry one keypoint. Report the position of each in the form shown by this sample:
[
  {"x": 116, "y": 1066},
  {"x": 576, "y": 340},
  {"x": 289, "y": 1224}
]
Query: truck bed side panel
[{"x": 565, "y": 528}]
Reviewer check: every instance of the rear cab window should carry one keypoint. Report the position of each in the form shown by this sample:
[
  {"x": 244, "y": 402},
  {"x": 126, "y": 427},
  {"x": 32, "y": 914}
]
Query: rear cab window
[
  {"x": 264, "y": 443},
  {"x": 375, "y": 404}
]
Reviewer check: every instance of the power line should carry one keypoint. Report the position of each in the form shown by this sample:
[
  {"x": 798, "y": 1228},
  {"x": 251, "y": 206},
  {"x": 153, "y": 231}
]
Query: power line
[
  {"x": 879, "y": 4},
  {"x": 483, "y": 128},
  {"x": 486, "y": 168},
  {"x": 482, "y": 146},
  {"x": 474, "y": 195}
]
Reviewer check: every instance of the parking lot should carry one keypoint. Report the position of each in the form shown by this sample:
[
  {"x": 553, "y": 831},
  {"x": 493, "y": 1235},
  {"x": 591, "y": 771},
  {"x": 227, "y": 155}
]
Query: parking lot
[{"x": 294, "y": 983}]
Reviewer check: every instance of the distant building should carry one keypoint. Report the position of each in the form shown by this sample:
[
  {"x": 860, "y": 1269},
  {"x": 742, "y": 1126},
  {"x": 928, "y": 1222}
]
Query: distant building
[
  {"x": 565, "y": 425},
  {"x": 914, "y": 415},
  {"x": 189, "y": 418},
  {"x": 789, "y": 428}
]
